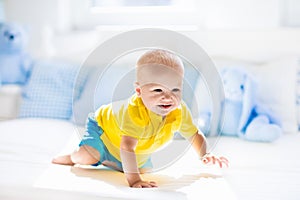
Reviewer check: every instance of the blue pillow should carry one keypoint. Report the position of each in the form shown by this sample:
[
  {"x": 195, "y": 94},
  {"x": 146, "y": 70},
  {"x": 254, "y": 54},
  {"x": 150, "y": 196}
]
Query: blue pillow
[{"x": 49, "y": 91}]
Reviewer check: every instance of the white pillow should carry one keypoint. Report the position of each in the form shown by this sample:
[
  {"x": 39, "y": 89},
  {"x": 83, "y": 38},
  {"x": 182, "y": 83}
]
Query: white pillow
[{"x": 10, "y": 98}]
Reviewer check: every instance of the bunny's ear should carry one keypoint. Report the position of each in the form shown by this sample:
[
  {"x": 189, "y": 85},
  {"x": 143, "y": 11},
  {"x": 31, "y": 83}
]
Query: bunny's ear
[{"x": 248, "y": 101}]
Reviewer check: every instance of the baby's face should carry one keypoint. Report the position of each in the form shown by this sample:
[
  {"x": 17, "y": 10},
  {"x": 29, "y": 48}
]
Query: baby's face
[
  {"x": 160, "y": 99},
  {"x": 160, "y": 87}
]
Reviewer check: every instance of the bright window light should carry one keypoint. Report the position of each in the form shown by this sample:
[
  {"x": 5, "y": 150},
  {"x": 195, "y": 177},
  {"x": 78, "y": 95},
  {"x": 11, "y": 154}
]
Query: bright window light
[
  {"x": 134, "y": 3},
  {"x": 141, "y": 6},
  {"x": 131, "y": 14}
]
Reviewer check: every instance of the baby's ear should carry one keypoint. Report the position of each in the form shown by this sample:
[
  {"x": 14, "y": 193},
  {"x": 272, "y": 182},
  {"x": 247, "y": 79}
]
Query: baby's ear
[{"x": 137, "y": 88}]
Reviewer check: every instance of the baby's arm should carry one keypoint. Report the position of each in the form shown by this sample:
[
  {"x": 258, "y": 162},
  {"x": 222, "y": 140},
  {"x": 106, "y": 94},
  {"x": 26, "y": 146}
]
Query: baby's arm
[
  {"x": 199, "y": 143},
  {"x": 129, "y": 163}
]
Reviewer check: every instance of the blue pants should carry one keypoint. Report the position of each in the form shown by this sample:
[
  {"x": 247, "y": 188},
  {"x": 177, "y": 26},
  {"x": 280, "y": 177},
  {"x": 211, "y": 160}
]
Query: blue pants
[{"x": 92, "y": 138}]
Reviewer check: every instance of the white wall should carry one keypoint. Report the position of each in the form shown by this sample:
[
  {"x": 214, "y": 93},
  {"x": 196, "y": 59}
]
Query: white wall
[
  {"x": 224, "y": 26},
  {"x": 241, "y": 14},
  {"x": 38, "y": 16},
  {"x": 2, "y": 14},
  {"x": 292, "y": 13}
]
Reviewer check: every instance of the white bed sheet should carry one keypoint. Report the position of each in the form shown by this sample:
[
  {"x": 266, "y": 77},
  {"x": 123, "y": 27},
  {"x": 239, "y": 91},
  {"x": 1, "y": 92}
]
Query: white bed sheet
[
  {"x": 263, "y": 170},
  {"x": 257, "y": 170}
]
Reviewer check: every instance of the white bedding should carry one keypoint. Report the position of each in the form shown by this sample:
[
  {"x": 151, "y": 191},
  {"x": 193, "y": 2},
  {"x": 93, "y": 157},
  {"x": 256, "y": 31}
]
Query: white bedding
[{"x": 257, "y": 170}]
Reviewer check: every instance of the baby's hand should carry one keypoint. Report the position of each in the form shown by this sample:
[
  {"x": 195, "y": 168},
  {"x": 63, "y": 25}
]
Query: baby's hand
[
  {"x": 211, "y": 159},
  {"x": 144, "y": 184}
]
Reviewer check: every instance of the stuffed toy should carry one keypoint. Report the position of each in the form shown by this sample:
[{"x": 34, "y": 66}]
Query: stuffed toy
[
  {"x": 243, "y": 117},
  {"x": 15, "y": 63}
]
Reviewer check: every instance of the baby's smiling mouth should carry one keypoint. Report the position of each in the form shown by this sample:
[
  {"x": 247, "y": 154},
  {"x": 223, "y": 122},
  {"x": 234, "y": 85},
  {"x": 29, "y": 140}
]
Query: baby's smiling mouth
[{"x": 165, "y": 106}]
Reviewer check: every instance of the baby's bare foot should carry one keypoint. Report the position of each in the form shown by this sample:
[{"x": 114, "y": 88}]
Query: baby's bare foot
[{"x": 63, "y": 160}]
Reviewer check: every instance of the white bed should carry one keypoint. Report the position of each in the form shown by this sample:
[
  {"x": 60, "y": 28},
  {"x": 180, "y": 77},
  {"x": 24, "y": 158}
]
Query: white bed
[{"x": 257, "y": 170}]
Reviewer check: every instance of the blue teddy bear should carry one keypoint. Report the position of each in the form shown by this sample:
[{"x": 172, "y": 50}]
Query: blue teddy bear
[
  {"x": 15, "y": 63},
  {"x": 243, "y": 117}
]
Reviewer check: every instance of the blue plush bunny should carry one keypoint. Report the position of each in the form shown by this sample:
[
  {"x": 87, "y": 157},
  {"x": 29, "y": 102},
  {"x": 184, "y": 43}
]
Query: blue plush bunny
[
  {"x": 15, "y": 63},
  {"x": 242, "y": 116}
]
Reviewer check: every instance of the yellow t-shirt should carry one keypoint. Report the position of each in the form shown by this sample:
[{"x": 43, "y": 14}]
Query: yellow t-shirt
[{"x": 132, "y": 118}]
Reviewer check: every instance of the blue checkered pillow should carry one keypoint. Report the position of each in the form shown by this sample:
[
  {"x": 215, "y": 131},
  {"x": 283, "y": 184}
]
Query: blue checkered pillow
[{"x": 49, "y": 91}]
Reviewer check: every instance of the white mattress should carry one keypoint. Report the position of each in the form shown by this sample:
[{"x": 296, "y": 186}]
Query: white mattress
[{"x": 257, "y": 170}]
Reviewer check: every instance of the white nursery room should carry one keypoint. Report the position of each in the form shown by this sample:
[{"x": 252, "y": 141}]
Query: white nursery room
[{"x": 78, "y": 111}]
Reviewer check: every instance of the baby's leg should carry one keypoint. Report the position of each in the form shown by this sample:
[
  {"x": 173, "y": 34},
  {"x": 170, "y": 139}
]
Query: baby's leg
[
  {"x": 90, "y": 147},
  {"x": 63, "y": 160},
  {"x": 86, "y": 155}
]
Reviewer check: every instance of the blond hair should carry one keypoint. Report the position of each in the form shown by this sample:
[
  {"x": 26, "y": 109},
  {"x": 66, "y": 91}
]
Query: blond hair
[{"x": 162, "y": 57}]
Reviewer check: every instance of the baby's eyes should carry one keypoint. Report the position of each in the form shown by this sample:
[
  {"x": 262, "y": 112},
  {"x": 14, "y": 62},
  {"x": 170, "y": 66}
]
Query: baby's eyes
[
  {"x": 176, "y": 90},
  {"x": 160, "y": 90},
  {"x": 157, "y": 90}
]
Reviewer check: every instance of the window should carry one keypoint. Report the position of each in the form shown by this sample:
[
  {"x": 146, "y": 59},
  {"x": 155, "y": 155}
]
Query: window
[
  {"x": 130, "y": 14},
  {"x": 131, "y": 3},
  {"x": 141, "y": 5}
]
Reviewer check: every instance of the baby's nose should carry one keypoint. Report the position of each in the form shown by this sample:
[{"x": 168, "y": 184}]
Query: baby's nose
[{"x": 167, "y": 95}]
